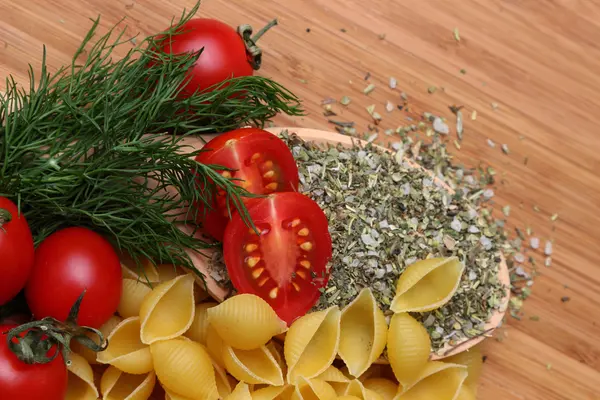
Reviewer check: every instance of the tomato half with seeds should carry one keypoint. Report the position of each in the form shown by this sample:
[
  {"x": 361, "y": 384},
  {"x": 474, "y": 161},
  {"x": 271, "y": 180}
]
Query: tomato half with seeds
[
  {"x": 259, "y": 161},
  {"x": 287, "y": 263}
]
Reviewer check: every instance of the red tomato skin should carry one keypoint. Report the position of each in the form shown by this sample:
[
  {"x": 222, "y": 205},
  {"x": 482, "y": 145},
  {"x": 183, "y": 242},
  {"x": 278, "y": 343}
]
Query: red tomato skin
[
  {"x": 22, "y": 381},
  {"x": 16, "y": 252},
  {"x": 231, "y": 150},
  {"x": 68, "y": 262},
  {"x": 224, "y": 55}
]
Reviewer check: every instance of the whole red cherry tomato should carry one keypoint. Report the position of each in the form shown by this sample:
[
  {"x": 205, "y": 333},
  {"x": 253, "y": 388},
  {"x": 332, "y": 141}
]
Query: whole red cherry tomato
[
  {"x": 68, "y": 262},
  {"x": 227, "y": 53},
  {"x": 260, "y": 160},
  {"x": 16, "y": 250},
  {"x": 22, "y": 381},
  {"x": 286, "y": 264}
]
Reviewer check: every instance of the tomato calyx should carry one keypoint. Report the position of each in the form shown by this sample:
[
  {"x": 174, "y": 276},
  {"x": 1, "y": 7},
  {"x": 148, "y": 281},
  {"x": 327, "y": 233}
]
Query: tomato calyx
[
  {"x": 33, "y": 342},
  {"x": 254, "y": 52},
  {"x": 5, "y": 217}
]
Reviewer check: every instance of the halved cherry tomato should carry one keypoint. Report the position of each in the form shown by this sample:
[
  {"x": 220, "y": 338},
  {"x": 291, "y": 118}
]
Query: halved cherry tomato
[
  {"x": 263, "y": 163},
  {"x": 286, "y": 264}
]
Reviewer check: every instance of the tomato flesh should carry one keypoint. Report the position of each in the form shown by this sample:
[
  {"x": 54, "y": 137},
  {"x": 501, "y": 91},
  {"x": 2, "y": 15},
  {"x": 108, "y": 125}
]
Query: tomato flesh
[
  {"x": 259, "y": 161},
  {"x": 287, "y": 263}
]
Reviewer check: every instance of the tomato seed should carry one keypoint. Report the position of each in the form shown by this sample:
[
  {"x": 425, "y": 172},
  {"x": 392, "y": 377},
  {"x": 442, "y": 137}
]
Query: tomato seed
[
  {"x": 273, "y": 293},
  {"x": 263, "y": 281},
  {"x": 251, "y": 247},
  {"x": 306, "y": 246},
  {"x": 303, "y": 232},
  {"x": 301, "y": 274},
  {"x": 271, "y": 186},
  {"x": 269, "y": 174},
  {"x": 252, "y": 261},
  {"x": 257, "y": 272},
  {"x": 305, "y": 264},
  {"x": 296, "y": 286}
]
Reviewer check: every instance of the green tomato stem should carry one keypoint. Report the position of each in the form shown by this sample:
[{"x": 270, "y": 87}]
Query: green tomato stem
[{"x": 254, "y": 52}]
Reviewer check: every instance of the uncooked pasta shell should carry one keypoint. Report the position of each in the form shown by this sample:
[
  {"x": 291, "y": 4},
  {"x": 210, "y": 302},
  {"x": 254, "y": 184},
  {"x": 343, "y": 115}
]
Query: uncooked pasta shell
[
  {"x": 363, "y": 333},
  {"x": 386, "y": 388},
  {"x": 184, "y": 367},
  {"x": 473, "y": 360},
  {"x": 224, "y": 386},
  {"x": 168, "y": 311},
  {"x": 332, "y": 374},
  {"x": 256, "y": 366},
  {"x": 133, "y": 294},
  {"x": 408, "y": 347},
  {"x": 88, "y": 353},
  {"x": 356, "y": 388},
  {"x": 118, "y": 385},
  {"x": 466, "y": 393},
  {"x": 125, "y": 349},
  {"x": 273, "y": 393},
  {"x": 443, "y": 384},
  {"x": 427, "y": 284},
  {"x": 81, "y": 380},
  {"x": 348, "y": 397},
  {"x": 312, "y": 343},
  {"x": 276, "y": 350},
  {"x": 313, "y": 389},
  {"x": 145, "y": 272},
  {"x": 249, "y": 314},
  {"x": 174, "y": 396},
  {"x": 198, "y": 329},
  {"x": 241, "y": 392}
]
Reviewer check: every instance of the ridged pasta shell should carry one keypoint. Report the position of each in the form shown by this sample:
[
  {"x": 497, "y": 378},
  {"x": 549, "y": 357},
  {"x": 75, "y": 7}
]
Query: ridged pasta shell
[
  {"x": 363, "y": 333},
  {"x": 215, "y": 345},
  {"x": 339, "y": 387},
  {"x": 332, "y": 374},
  {"x": 146, "y": 272},
  {"x": 408, "y": 347},
  {"x": 427, "y": 284},
  {"x": 443, "y": 384},
  {"x": 253, "y": 366},
  {"x": 249, "y": 314},
  {"x": 273, "y": 393},
  {"x": 356, "y": 388},
  {"x": 378, "y": 371},
  {"x": 276, "y": 350},
  {"x": 81, "y": 380},
  {"x": 133, "y": 294},
  {"x": 223, "y": 384},
  {"x": 125, "y": 349},
  {"x": 106, "y": 329},
  {"x": 473, "y": 360},
  {"x": 118, "y": 385},
  {"x": 241, "y": 392},
  {"x": 313, "y": 389},
  {"x": 348, "y": 397},
  {"x": 168, "y": 311},
  {"x": 174, "y": 396},
  {"x": 312, "y": 343},
  {"x": 199, "y": 327},
  {"x": 386, "y": 388},
  {"x": 466, "y": 393},
  {"x": 184, "y": 367}
]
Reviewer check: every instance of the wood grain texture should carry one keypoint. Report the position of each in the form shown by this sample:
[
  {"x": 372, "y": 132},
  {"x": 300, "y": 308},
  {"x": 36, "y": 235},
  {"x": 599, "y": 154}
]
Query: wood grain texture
[{"x": 538, "y": 60}]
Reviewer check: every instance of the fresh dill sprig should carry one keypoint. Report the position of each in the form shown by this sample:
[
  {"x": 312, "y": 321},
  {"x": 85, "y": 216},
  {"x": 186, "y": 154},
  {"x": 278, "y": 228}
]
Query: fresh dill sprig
[{"x": 86, "y": 146}]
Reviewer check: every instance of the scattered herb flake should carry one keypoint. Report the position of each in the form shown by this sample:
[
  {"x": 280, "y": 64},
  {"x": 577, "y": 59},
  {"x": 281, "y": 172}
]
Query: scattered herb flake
[
  {"x": 456, "y": 35},
  {"x": 345, "y": 100},
  {"x": 431, "y": 89},
  {"x": 505, "y": 149},
  {"x": 369, "y": 88}
]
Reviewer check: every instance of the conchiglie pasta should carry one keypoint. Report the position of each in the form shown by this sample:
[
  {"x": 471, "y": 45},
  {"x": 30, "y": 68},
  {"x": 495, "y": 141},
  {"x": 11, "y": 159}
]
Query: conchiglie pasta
[
  {"x": 276, "y": 350},
  {"x": 427, "y": 285},
  {"x": 133, "y": 294},
  {"x": 168, "y": 311},
  {"x": 313, "y": 389},
  {"x": 311, "y": 343},
  {"x": 348, "y": 397},
  {"x": 198, "y": 329},
  {"x": 473, "y": 360},
  {"x": 378, "y": 371},
  {"x": 249, "y": 314},
  {"x": 146, "y": 271},
  {"x": 81, "y": 380},
  {"x": 253, "y": 366},
  {"x": 386, "y": 388},
  {"x": 444, "y": 384},
  {"x": 223, "y": 384},
  {"x": 184, "y": 367},
  {"x": 332, "y": 374},
  {"x": 273, "y": 393},
  {"x": 215, "y": 345},
  {"x": 174, "y": 396},
  {"x": 241, "y": 392},
  {"x": 408, "y": 346},
  {"x": 125, "y": 349},
  {"x": 363, "y": 333},
  {"x": 105, "y": 329},
  {"x": 466, "y": 393},
  {"x": 356, "y": 388},
  {"x": 118, "y": 385}
]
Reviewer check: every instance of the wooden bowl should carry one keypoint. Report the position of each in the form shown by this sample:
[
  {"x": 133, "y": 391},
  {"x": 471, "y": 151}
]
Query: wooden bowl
[{"x": 325, "y": 137}]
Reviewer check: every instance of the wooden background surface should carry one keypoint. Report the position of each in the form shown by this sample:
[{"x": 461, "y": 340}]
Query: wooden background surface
[{"x": 539, "y": 61}]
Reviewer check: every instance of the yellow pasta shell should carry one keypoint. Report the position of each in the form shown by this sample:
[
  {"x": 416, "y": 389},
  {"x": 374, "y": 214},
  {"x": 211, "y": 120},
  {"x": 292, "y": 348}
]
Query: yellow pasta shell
[
  {"x": 312, "y": 343},
  {"x": 241, "y": 392},
  {"x": 215, "y": 345},
  {"x": 174, "y": 396},
  {"x": 199, "y": 327},
  {"x": 339, "y": 387},
  {"x": 363, "y": 333},
  {"x": 444, "y": 384},
  {"x": 466, "y": 393},
  {"x": 473, "y": 360},
  {"x": 118, "y": 385},
  {"x": 348, "y": 397},
  {"x": 253, "y": 366},
  {"x": 408, "y": 346},
  {"x": 245, "y": 321},
  {"x": 184, "y": 367},
  {"x": 133, "y": 294},
  {"x": 276, "y": 350},
  {"x": 384, "y": 387},
  {"x": 168, "y": 311},
  {"x": 223, "y": 384},
  {"x": 273, "y": 393},
  {"x": 378, "y": 371},
  {"x": 356, "y": 388},
  {"x": 427, "y": 284},
  {"x": 106, "y": 329},
  {"x": 313, "y": 389},
  {"x": 332, "y": 374},
  {"x": 146, "y": 272},
  {"x": 125, "y": 349},
  {"x": 81, "y": 380}
]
